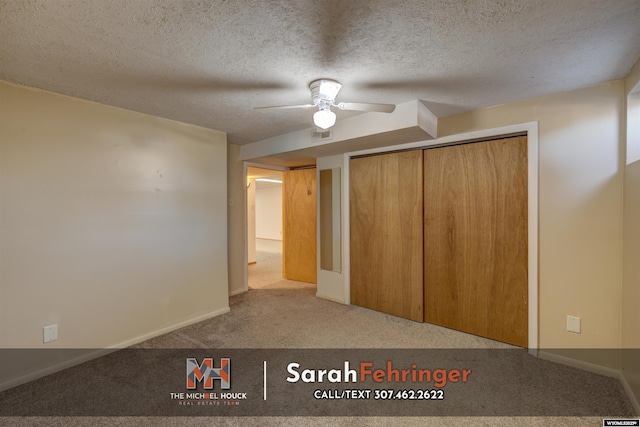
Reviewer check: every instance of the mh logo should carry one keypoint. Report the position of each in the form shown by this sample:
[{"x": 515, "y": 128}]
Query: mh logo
[{"x": 205, "y": 371}]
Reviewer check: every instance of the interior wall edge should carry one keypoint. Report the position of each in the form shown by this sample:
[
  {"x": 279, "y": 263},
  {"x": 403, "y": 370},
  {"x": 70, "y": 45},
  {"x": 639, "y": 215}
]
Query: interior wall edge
[{"x": 237, "y": 222}]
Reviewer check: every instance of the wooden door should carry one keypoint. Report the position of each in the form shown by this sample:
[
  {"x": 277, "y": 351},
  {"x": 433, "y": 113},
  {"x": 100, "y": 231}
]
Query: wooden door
[
  {"x": 299, "y": 225},
  {"x": 386, "y": 233},
  {"x": 475, "y": 234}
]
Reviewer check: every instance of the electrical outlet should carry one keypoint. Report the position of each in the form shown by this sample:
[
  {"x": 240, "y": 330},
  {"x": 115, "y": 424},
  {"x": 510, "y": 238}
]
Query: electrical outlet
[
  {"x": 573, "y": 324},
  {"x": 50, "y": 333}
]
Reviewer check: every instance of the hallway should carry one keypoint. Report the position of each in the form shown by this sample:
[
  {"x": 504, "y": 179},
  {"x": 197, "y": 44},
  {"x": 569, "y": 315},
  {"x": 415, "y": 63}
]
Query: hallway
[{"x": 268, "y": 267}]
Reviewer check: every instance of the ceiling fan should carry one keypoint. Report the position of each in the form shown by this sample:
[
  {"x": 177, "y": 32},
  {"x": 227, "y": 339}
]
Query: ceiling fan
[{"x": 323, "y": 95}]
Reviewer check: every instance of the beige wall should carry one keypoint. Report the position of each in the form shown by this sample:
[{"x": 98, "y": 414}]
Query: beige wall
[
  {"x": 580, "y": 203},
  {"x": 269, "y": 210},
  {"x": 237, "y": 222},
  {"x": 631, "y": 272},
  {"x": 113, "y": 223}
]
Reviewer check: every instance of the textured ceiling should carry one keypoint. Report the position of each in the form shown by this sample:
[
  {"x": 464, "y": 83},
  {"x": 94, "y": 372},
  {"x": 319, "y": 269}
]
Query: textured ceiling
[{"x": 210, "y": 62}]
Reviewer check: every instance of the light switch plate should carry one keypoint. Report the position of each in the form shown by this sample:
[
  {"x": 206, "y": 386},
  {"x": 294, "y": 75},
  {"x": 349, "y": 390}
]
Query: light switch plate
[
  {"x": 573, "y": 324},
  {"x": 50, "y": 333}
]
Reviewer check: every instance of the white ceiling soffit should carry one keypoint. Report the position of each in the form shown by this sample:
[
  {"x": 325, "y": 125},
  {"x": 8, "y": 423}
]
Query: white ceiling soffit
[
  {"x": 210, "y": 62},
  {"x": 410, "y": 122}
]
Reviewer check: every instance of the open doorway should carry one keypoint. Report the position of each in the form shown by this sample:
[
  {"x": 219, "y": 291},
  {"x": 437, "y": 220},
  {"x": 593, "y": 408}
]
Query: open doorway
[{"x": 264, "y": 227}]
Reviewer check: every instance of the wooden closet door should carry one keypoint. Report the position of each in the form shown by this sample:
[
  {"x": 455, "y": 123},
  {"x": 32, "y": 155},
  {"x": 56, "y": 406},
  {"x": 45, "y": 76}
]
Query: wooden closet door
[
  {"x": 386, "y": 233},
  {"x": 299, "y": 260},
  {"x": 475, "y": 231}
]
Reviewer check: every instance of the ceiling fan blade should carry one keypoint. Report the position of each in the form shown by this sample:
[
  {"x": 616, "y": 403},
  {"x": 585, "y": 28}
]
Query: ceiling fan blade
[
  {"x": 365, "y": 106},
  {"x": 284, "y": 107}
]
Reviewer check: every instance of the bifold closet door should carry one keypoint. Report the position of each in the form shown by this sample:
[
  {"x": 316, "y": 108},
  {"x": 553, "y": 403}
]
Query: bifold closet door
[
  {"x": 299, "y": 254},
  {"x": 475, "y": 231},
  {"x": 386, "y": 233}
]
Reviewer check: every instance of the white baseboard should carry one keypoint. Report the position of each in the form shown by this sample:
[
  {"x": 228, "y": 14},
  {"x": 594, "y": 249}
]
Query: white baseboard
[
  {"x": 54, "y": 368},
  {"x": 596, "y": 369},
  {"x": 237, "y": 292},
  {"x": 93, "y": 354},
  {"x": 585, "y": 366},
  {"x": 632, "y": 397},
  {"x": 171, "y": 328},
  {"x": 330, "y": 298}
]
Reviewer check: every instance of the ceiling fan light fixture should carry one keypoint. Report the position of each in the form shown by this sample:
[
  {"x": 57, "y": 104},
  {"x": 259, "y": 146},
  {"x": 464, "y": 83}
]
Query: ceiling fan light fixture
[
  {"x": 325, "y": 118},
  {"x": 323, "y": 95}
]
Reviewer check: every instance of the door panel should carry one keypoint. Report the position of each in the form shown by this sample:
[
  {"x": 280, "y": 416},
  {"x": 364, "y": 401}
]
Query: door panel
[
  {"x": 475, "y": 235},
  {"x": 299, "y": 225},
  {"x": 386, "y": 233}
]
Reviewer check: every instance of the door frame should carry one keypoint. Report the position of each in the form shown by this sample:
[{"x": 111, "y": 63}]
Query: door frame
[{"x": 530, "y": 129}]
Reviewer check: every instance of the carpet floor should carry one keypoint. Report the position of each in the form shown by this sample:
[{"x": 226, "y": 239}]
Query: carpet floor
[{"x": 276, "y": 313}]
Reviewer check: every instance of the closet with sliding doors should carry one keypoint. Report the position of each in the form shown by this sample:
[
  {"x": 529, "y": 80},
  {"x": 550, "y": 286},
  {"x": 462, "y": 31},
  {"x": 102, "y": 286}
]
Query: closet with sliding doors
[{"x": 439, "y": 235}]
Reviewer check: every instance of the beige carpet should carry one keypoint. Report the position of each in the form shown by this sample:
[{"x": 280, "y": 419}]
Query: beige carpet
[
  {"x": 285, "y": 314},
  {"x": 268, "y": 266}
]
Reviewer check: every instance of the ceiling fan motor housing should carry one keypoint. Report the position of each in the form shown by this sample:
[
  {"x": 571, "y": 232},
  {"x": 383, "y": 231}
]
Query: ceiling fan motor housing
[{"x": 324, "y": 91}]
